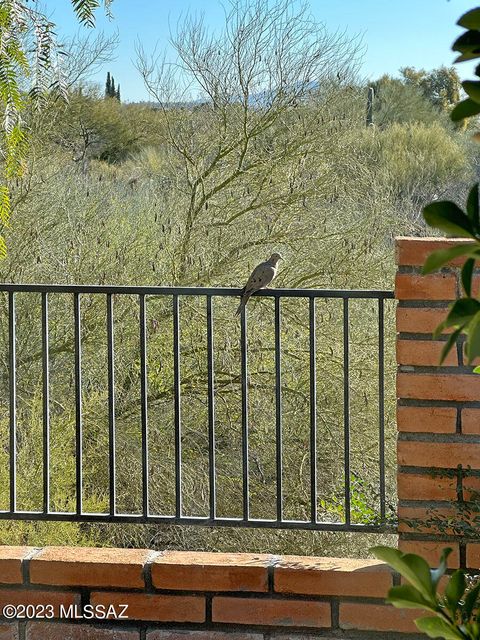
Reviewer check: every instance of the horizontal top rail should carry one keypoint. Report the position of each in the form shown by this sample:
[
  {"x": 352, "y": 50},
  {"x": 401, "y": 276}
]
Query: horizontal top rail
[{"x": 195, "y": 291}]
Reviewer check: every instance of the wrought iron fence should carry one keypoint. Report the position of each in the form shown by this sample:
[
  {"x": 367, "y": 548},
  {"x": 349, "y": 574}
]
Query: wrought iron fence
[{"x": 209, "y": 301}]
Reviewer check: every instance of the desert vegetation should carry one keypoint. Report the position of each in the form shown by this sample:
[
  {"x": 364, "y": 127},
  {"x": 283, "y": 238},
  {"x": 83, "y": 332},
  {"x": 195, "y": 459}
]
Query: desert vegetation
[{"x": 255, "y": 140}]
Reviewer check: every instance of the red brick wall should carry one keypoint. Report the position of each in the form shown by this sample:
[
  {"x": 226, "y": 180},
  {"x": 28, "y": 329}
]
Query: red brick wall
[
  {"x": 438, "y": 412},
  {"x": 180, "y": 595}
]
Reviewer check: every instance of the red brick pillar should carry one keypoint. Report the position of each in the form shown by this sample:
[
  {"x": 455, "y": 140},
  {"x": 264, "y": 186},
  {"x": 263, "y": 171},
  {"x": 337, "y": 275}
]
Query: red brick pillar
[{"x": 438, "y": 415}]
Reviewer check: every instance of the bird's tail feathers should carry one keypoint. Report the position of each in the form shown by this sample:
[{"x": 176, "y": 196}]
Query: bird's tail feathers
[{"x": 245, "y": 297}]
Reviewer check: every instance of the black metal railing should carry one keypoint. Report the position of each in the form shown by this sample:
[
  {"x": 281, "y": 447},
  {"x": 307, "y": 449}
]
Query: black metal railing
[{"x": 314, "y": 520}]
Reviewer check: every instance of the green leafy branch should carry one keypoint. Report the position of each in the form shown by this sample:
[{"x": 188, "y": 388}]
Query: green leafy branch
[
  {"x": 464, "y": 313},
  {"x": 456, "y": 613},
  {"x": 17, "y": 19}
]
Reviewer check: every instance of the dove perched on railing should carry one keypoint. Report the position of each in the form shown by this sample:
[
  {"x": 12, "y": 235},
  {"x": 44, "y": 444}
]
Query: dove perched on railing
[{"x": 260, "y": 278}]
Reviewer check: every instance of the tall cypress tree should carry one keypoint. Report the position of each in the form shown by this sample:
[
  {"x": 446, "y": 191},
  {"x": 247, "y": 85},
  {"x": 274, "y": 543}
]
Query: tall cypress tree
[
  {"x": 112, "y": 88},
  {"x": 117, "y": 95},
  {"x": 108, "y": 86}
]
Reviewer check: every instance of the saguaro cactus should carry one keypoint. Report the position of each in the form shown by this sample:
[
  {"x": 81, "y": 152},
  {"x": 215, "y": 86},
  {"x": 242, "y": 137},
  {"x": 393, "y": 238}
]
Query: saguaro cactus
[{"x": 371, "y": 95}]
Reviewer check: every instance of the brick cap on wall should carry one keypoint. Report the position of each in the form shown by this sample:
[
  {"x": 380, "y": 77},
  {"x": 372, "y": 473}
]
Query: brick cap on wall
[
  {"x": 194, "y": 571},
  {"x": 414, "y": 251}
]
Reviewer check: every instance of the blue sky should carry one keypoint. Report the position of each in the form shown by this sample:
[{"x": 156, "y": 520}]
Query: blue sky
[{"x": 396, "y": 33}]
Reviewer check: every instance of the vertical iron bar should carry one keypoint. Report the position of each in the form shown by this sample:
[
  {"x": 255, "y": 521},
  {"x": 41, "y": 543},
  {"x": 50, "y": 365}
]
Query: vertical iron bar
[
  {"x": 177, "y": 407},
  {"x": 244, "y": 378},
  {"x": 381, "y": 403},
  {"x": 313, "y": 412},
  {"x": 78, "y": 403},
  {"x": 111, "y": 404},
  {"x": 346, "y": 408},
  {"x": 46, "y": 405},
  {"x": 144, "y": 403},
  {"x": 278, "y": 411},
  {"x": 13, "y": 400},
  {"x": 211, "y": 409}
]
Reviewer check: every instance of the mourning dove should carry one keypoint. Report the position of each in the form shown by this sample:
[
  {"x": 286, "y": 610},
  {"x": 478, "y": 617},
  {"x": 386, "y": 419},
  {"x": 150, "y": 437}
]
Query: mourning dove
[{"x": 261, "y": 277}]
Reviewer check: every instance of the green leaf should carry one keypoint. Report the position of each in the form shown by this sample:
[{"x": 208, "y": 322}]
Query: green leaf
[
  {"x": 85, "y": 10},
  {"x": 473, "y": 341},
  {"x": 466, "y": 56},
  {"x": 448, "y": 217},
  {"x": 407, "y": 597},
  {"x": 455, "y": 589},
  {"x": 442, "y": 566},
  {"x": 471, "y": 600},
  {"x": 468, "y": 42},
  {"x": 472, "y": 205},
  {"x": 477, "y": 369},
  {"x": 470, "y": 20},
  {"x": 438, "y": 258},
  {"x": 412, "y": 567},
  {"x": 438, "y": 628},
  {"x": 467, "y": 272},
  {"x": 472, "y": 88},
  {"x": 465, "y": 109},
  {"x": 450, "y": 343},
  {"x": 462, "y": 311}
]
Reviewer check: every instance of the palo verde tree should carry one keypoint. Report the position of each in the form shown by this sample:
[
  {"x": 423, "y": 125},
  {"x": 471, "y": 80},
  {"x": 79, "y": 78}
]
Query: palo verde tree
[
  {"x": 242, "y": 111},
  {"x": 18, "y": 20}
]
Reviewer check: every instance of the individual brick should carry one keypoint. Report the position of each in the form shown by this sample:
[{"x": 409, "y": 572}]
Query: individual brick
[
  {"x": 470, "y": 421},
  {"x": 92, "y": 567},
  {"x": 378, "y": 617},
  {"x": 271, "y": 612},
  {"x": 473, "y": 555},
  {"x": 431, "y": 551},
  {"x": 416, "y": 486},
  {"x": 154, "y": 607},
  {"x": 414, "y": 251},
  {"x": 23, "y": 596},
  {"x": 43, "y": 630},
  {"x": 427, "y": 419},
  {"x": 9, "y": 631},
  {"x": 420, "y": 320},
  {"x": 443, "y": 455},
  {"x": 471, "y": 488},
  {"x": 425, "y": 386},
  {"x": 332, "y": 576},
  {"x": 201, "y": 571},
  {"x": 11, "y": 563},
  {"x": 439, "y": 286},
  {"x": 424, "y": 353},
  {"x": 443, "y": 521}
]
